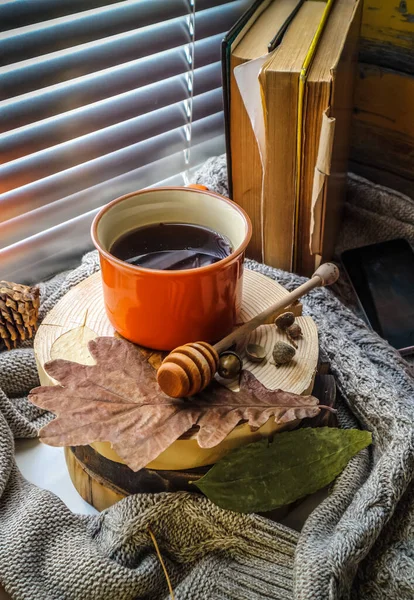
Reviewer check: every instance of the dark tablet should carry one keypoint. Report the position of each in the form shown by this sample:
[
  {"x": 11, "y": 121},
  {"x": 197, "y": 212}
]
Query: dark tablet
[{"x": 383, "y": 279}]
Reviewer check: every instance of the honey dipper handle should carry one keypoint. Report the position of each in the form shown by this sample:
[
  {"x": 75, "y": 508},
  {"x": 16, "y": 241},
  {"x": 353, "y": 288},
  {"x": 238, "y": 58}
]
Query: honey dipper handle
[{"x": 326, "y": 274}]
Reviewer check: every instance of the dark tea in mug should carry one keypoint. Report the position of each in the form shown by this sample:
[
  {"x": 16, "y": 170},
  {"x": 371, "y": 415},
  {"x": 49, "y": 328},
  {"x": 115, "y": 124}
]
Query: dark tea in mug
[{"x": 171, "y": 246}]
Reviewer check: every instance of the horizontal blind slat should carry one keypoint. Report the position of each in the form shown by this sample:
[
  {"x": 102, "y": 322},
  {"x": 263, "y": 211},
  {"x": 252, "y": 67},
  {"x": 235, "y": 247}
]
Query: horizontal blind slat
[
  {"x": 96, "y": 105},
  {"x": 69, "y": 125},
  {"x": 38, "y": 257},
  {"x": 103, "y": 168},
  {"x": 21, "y": 13},
  {"x": 88, "y": 147},
  {"x": 47, "y": 70},
  {"x": 34, "y": 40},
  {"x": 38, "y": 73},
  {"x": 82, "y": 91},
  {"x": 70, "y": 207}
]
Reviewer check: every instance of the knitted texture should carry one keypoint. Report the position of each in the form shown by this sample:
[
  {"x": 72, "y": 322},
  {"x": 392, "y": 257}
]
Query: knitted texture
[
  {"x": 357, "y": 544},
  {"x": 374, "y": 213}
]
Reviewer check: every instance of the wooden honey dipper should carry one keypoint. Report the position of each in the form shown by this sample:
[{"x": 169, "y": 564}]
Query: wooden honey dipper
[{"x": 189, "y": 369}]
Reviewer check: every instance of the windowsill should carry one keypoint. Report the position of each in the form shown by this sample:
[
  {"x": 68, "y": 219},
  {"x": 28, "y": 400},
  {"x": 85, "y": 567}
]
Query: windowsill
[{"x": 45, "y": 466}]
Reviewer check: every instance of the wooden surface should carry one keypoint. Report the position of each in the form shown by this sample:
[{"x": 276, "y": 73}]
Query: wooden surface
[
  {"x": 383, "y": 126},
  {"x": 387, "y": 34},
  {"x": 97, "y": 493},
  {"x": 80, "y": 317},
  {"x": 102, "y": 482},
  {"x": 188, "y": 369},
  {"x": 83, "y": 306},
  {"x": 382, "y": 133}
]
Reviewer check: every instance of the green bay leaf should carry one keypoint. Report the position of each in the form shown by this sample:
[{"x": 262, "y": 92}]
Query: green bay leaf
[{"x": 262, "y": 476}]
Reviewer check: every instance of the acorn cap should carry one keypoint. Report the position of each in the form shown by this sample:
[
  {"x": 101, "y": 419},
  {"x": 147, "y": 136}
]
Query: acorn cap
[{"x": 255, "y": 353}]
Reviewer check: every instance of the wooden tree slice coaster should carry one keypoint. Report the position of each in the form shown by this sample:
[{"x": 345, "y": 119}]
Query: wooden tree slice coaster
[
  {"x": 102, "y": 482},
  {"x": 80, "y": 316}
]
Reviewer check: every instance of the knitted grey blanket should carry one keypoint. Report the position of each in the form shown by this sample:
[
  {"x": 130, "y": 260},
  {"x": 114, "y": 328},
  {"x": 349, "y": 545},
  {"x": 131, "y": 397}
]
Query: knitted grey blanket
[{"x": 357, "y": 544}]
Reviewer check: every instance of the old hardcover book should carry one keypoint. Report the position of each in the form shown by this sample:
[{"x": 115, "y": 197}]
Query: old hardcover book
[
  {"x": 279, "y": 80},
  {"x": 305, "y": 81},
  {"x": 327, "y": 118},
  {"x": 249, "y": 40}
]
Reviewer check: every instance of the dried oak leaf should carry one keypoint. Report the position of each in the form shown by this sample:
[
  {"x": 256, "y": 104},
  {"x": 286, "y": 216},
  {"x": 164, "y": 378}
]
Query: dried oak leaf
[{"x": 118, "y": 400}]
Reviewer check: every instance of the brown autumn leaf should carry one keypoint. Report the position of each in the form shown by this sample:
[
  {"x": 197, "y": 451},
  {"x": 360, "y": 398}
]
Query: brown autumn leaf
[{"x": 118, "y": 400}]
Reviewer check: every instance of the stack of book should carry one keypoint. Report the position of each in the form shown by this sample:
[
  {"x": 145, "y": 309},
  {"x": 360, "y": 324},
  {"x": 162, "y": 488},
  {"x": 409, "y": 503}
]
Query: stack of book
[{"x": 288, "y": 73}]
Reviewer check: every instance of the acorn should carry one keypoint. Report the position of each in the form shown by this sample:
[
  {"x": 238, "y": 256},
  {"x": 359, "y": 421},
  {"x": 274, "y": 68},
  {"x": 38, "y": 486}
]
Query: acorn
[
  {"x": 294, "y": 331},
  {"x": 230, "y": 365},
  {"x": 283, "y": 353},
  {"x": 285, "y": 320}
]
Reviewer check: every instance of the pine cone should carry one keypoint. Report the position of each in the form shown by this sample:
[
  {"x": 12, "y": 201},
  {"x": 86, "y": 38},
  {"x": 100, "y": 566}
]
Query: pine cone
[{"x": 19, "y": 308}]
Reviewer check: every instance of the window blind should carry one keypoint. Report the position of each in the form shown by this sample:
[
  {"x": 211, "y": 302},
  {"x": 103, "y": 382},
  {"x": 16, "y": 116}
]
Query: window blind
[{"x": 98, "y": 99}]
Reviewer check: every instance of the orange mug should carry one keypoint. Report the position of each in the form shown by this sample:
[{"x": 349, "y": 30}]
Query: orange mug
[{"x": 164, "y": 309}]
